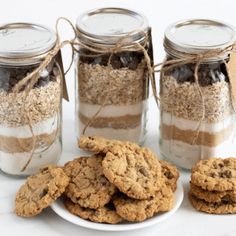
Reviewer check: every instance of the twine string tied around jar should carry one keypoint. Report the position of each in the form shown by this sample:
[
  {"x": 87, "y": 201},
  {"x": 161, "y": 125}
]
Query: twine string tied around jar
[
  {"x": 123, "y": 44},
  {"x": 26, "y": 84},
  {"x": 199, "y": 59}
]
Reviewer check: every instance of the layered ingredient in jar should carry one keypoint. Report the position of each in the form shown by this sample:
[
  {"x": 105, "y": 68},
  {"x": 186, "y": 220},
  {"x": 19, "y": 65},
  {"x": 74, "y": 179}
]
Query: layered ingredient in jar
[
  {"x": 112, "y": 95},
  {"x": 197, "y": 119},
  {"x": 29, "y": 123}
]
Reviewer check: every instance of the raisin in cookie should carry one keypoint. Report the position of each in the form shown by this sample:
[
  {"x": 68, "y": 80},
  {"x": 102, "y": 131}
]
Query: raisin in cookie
[
  {"x": 135, "y": 171},
  {"x": 40, "y": 190},
  {"x": 140, "y": 210},
  {"x": 215, "y": 174},
  {"x": 171, "y": 174},
  {"x": 223, "y": 207},
  {"x": 212, "y": 196},
  {"x": 100, "y": 215},
  {"x": 88, "y": 186}
]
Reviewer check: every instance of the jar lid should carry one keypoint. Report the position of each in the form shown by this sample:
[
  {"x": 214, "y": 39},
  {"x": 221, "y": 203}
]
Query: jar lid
[
  {"x": 197, "y": 36},
  {"x": 24, "y": 43},
  {"x": 106, "y": 26}
]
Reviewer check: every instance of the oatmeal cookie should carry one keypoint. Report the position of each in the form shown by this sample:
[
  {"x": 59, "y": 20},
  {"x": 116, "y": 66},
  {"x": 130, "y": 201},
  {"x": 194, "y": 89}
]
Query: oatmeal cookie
[
  {"x": 215, "y": 174},
  {"x": 223, "y": 207},
  {"x": 40, "y": 190},
  {"x": 171, "y": 174},
  {"x": 135, "y": 171},
  {"x": 212, "y": 196},
  {"x": 88, "y": 186},
  {"x": 140, "y": 210},
  {"x": 100, "y": 215},
  {"x": 98, "y": 144}
]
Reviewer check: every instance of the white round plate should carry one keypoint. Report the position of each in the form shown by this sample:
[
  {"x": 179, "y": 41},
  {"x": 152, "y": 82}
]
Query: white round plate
[{"x": 60, "y": 209}]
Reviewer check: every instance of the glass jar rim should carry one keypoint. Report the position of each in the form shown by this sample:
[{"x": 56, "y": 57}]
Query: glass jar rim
[
  {"x": 109, "y": 35},
  {"x": 34, "y": 42},
  {"x": 199, "y": 36}
]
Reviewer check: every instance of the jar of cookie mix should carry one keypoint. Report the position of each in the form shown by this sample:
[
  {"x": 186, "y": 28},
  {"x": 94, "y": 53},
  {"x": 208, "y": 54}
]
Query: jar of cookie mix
[
  {"x": 30, "y": 122},
  {"x": 112, "y": 84},
  {"x": 197, "y": 119}
]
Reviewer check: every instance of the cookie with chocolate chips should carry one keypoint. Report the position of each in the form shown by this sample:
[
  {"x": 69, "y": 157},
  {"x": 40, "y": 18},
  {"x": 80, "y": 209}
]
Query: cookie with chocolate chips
[
  {"x": 222, "y": 207},
  {"x": 98, "y": 144},
  {"x": 103, "y": 214},
  {"x": 134, "y": 170},
  {"x": 40, "y": 191},
  {"x": 139, "y": 210},
  {"x": 212, "y": 196},
  {"x": 171, "y": 174},
  {"x": 215, "y": 174},
  {"x": 88, "y": 186}
]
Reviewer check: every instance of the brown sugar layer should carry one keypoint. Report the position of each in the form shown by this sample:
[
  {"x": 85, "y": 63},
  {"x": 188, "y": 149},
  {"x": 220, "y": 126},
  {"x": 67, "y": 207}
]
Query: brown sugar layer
[
  {"x": 119, "y": 122},
  {"x": 18, "y": 145},
  {"x": 202, "y": 138},
  {"x": 42, "y": 103},
  {"x": 184, "y": 100},
  {"x": 104, "y": 85}
]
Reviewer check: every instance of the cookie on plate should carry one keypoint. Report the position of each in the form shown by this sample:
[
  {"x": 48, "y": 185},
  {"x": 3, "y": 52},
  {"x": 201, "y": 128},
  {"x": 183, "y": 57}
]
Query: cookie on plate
[
  {"x": 100, "y": 215},
  {"x": 88, "y": 186},
  {"x": 140, "y": 210},
  {"x": 215, "y": 174},
  {"x": 171, "y": 174},
  {"x": 223, "y": 207},
  {"x": 98, "y": 144},
  {"x": 212, "y": 196},
  {"x": 40, "y": 191},
  {"x": 135, "y": 171}
]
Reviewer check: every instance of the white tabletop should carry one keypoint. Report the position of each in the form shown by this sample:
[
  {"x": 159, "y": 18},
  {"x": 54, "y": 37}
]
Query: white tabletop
[{"x": 186, "y": 221}]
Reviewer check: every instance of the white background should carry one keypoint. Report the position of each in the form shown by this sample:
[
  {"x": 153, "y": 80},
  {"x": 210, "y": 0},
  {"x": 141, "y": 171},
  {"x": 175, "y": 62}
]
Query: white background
[{"x": 160, "y": 13}]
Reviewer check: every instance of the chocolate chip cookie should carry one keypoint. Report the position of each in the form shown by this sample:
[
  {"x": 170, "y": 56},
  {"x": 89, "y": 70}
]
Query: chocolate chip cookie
[
  {"x": 140, "y": 210},
  {"x": 215, "y": 174},
  {"x": 88, "y": 186},
  {"x": 135, "y": 171},
  {"x": 40, "y": 190},
  {"x": 98, "y": 144},
  {"x": 171, "y": 174},
  {"x": 101, "y": 215},
  {"x": 212, "y": 196},
  {"x": 222, "y": 207}
]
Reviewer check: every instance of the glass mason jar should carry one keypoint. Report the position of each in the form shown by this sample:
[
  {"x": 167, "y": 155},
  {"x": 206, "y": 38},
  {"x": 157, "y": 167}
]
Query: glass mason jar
[
  {"x": 196, "y": 118},
  {"x": 30, "y": 122},
  {"x": 112, "y": 88}
]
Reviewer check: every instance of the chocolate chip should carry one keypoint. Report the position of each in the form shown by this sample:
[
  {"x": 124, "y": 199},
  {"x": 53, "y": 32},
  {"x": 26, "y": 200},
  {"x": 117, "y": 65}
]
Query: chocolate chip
[
  {"x": 168, "y": 175},
  {"x": 213, "y": 175},
  {"x": 226, "y": 162},
  {"x": 119, "y": 60},
  {"x": 103, "y": 181},
  {"x": 226, "y": 174},
  {"x": 207, "y": 73},
  {"x": 220, "y": 165},
  {"x": 144, "y": 171},
  {"x": 10, "y": 76},
  {"x": 43, "y": 193}
]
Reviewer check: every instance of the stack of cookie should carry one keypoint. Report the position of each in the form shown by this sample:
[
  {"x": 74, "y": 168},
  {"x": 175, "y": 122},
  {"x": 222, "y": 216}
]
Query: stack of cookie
[
  {"x": 213, "y": 186},
  {"x": 120, "y": 182}
]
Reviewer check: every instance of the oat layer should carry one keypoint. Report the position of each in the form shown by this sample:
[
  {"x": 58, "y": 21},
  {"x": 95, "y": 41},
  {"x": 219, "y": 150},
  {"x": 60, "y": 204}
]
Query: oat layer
[{"x": 184, "y": 100}]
